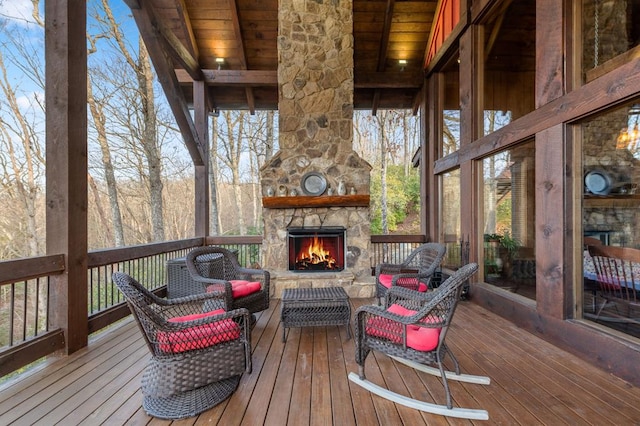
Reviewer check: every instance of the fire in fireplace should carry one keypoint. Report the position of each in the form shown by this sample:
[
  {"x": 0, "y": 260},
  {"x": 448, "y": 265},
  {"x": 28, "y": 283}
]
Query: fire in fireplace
[{"x": 316, "y": 249}]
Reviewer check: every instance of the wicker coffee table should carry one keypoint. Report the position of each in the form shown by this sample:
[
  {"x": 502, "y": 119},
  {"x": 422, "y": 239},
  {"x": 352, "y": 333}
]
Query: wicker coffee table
[{"x": 306, "y": 307}]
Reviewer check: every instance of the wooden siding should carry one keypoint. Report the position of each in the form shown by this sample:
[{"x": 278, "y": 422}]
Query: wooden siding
[{"x": 304, "y": 381}]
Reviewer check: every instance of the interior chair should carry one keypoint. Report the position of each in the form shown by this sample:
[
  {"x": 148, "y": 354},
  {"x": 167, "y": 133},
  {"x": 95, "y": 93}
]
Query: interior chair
[
  {"x": 414, "y": 273},
  {"x": 241, "y": 287},
  {"x": 617, "y": 271},
  {"x": 199, "y": 351},
  {"x": 411, "y": 328}
]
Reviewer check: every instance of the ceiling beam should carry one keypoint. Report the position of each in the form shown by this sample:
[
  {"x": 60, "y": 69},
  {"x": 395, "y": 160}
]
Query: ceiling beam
[
  {"x": 164, "y": 67},
  {"x": 389, "y": 80},
  {"x": 382, "y": 52},
  {"x": 233, "y": 6},
  {"x": 172, "y": 45},
  {"x": 253, "y": 78},
  {"x": 232, "y": 77},
  {"x": 187, "y": 29}
]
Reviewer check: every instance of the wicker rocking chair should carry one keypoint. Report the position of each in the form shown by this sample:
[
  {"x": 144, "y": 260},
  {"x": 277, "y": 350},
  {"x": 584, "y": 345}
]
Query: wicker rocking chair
[
  {"x": 199, "y": 351},
  {"x": 241, "y": 287},
  {"x": 415, "y": 272},
  {"x": 411, "y": 328}
]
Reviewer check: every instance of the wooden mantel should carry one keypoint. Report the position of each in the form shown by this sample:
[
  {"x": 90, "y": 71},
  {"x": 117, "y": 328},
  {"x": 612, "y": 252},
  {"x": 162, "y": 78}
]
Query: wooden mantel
[{"x": 358, "y": 200}]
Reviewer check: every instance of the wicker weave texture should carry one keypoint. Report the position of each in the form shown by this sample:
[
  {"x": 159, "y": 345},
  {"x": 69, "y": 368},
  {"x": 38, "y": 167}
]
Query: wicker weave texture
[
  {"x": 214, "y": 267},
  {"x": 179, "y": 280},
  {"x": 197, "y": 359},
  {"x": 384, "y": 331},
  {"x": 424, "y": 260},
  {"x": 305, "y": 307}
]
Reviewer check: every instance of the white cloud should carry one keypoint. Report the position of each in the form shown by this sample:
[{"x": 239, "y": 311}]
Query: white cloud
[
  {"x": 28, "y": 101},
  {"x": 16, "y": 10}
]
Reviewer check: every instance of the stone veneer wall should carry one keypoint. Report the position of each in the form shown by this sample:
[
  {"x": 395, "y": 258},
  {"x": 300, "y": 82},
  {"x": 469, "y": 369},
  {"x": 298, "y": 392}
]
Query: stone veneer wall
[{"x": 315, "y": 84}]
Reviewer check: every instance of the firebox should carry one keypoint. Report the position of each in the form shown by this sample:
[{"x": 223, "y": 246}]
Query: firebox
[{"x": 316, "y": 249}]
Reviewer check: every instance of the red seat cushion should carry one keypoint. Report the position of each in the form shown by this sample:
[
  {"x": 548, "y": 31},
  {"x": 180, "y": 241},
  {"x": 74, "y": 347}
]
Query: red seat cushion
[
  {"x": 200, "y": 336},
  {"x": 418, "y": 338},
  {"x": 385, "y": 280},
  {"x": 240, "y": 288},
  {"x": 244, "y": 288}
]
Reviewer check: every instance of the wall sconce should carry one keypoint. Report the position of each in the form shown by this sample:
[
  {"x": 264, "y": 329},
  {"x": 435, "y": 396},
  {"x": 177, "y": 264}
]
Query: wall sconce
[
  {"x": 629, "y": 137},
  {"x": 220, "y": 62},
  {"x": 402, "y": 63}
]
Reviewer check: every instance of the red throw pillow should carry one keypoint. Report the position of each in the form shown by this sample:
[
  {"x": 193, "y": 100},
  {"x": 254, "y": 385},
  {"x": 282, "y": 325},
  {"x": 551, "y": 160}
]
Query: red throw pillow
[
  {"x": 200, "y": 336},
  {"x": 385, "y": 280},
  {"x": 242, "y": 288}
]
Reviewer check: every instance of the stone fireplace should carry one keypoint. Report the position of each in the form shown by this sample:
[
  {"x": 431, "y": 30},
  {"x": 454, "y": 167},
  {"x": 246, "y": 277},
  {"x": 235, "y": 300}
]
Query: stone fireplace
[{"x": 315, "y": 87}]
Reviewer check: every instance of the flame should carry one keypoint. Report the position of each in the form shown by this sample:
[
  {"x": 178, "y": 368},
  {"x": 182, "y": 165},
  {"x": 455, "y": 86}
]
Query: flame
[{"x": 315, "y": 253}]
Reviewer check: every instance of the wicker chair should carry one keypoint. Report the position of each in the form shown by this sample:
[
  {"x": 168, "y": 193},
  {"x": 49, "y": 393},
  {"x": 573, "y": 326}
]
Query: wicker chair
[
  {"x": 241, "y": 287},
  {"x": 411, "y": 328},
  {"x": 199, "y": 351},
  {"x": 414, "y": 273}
]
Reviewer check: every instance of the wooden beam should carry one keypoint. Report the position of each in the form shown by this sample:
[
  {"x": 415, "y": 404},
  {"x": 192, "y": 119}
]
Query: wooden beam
[
  {"x": 201, "y": 175},
  {"x": 375, "y": 103},
  {"x": 232, "y": 77},
  {"x": 389, "y": 80},
  {"x": 253, "y": 78},
  {"x": 28, "y": 268},
  {"x": 233, "y": 6},
  {"x": 187, "y": 29},
  {"x": 167, "y": 77},
  {"x": 66, "y": 171},
  {"x": 30, "y": 351},
  {"x": 382, "y": 52},
  {"x": 179, "y": 52},
  {"x": 613, "y": 88}
]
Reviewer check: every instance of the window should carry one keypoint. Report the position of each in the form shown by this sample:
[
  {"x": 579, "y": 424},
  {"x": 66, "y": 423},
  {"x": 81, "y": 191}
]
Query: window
[
  {"x": 509, "y": 219},
  {"x": 610, "y": 29},
  {"x": 450, "y": 231},
  {"x": 509, "y": 63},
  {"x": 611, "y": 213},
  {"x": 451, "y": 112}
]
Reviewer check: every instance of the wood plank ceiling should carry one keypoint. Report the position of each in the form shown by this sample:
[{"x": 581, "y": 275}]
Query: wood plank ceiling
[
  {"x": 185, "y": 38},
  {"x": 194, "y": 33}
]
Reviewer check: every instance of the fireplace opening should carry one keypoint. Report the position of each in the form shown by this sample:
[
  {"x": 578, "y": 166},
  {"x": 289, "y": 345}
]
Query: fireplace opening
[{"x": 316, "y": 249}]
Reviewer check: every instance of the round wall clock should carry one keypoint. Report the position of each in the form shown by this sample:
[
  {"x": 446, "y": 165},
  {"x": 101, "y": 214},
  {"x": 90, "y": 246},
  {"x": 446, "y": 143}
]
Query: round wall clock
[{"x": 313, "y": 183}]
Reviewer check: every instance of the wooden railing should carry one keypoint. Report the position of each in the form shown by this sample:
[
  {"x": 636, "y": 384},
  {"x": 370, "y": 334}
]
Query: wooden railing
[{"x": 24, "y": 287}]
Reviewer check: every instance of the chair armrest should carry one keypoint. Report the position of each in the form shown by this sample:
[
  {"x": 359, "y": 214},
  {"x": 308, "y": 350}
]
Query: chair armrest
[
  {"x": 388, "y": 268},
  {"x": 406, "y": 297},
  {"x": 374, "y": 310},
  {"x": 261, "y": 275},
  {"x": 188, "y": 305}
]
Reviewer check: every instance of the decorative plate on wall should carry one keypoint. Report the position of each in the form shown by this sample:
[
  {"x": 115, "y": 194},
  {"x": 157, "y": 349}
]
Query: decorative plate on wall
[
  {"x": 598, "y": 182},
  {"x": 313, "y": 183}
]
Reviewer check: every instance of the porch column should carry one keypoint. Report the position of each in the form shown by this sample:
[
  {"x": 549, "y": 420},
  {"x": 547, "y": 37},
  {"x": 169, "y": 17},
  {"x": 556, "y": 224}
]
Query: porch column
[
  {"x": 201, "y": 118},
  {"x": 66, "y": 171}
]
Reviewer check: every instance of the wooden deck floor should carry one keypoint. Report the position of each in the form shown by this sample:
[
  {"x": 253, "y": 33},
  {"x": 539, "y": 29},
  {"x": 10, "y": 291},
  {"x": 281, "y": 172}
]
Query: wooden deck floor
[{"x": 304, "y": 382}]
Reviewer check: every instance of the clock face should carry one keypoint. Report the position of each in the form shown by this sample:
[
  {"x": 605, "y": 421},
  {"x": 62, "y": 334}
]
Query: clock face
[{"x": 313, "y": 183}]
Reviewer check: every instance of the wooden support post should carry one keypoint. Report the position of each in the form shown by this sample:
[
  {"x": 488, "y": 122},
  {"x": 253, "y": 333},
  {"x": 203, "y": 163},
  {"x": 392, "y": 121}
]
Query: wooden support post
[
  {"x": 201, "y": 115},
  {"x": 66, "y": 140}
]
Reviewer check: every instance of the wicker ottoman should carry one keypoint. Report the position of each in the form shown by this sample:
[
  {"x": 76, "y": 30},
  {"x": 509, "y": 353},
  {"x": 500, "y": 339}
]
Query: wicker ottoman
[{"x": 305, "y": 307}]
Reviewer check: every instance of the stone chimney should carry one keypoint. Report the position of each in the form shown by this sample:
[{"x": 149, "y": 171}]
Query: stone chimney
[{"x": 315, "y": 87}]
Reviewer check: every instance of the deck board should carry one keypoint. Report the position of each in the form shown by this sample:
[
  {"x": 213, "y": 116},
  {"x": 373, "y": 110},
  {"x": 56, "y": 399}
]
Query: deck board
[{"x": 304, "y": 381}]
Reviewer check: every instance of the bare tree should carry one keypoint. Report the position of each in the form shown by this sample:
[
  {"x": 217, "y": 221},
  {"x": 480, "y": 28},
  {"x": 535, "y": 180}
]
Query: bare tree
[
  {"x": 146, "y": 133},
  {"x": 99, "y": 122},
  {"x": 230, "y": 152},
  {"x": 22, "y": 165}
]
